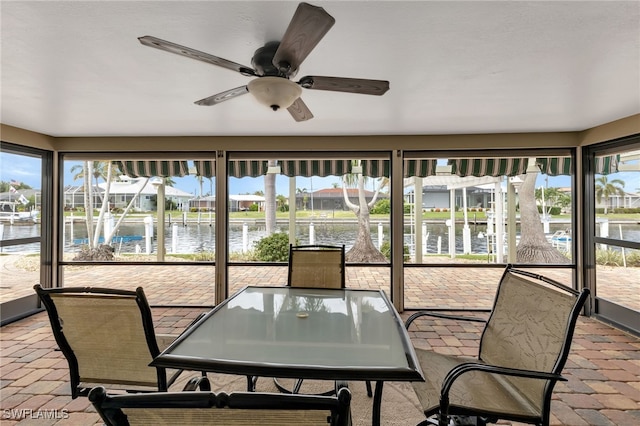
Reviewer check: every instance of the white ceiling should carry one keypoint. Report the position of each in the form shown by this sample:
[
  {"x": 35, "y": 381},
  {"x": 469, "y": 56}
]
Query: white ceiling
[{"x": 73, "y": 68}]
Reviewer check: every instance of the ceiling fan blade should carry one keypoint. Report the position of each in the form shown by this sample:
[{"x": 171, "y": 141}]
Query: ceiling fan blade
[
  {"x": 342, "y": 84},
  {"x": 307, "y": 27},
  {"x": 299, "y": 111},
  {"x": 223, "y": 96},
  {"x": 195, "y": 54}
]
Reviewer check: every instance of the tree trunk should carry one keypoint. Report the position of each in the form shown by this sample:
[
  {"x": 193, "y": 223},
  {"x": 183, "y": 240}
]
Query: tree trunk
[
  {"x": 88, "y": 200},
  {"x": 363, "y": 250},
  {"x": 534, "y": 246},
  {"x": 270, "y": 200}
]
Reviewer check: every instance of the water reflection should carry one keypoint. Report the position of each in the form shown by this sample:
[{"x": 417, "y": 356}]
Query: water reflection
[{"x": 200, "y": 238}]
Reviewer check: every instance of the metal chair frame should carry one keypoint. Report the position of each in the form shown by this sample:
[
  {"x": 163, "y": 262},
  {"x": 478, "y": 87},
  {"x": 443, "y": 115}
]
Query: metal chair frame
[
  {"x": 445, "y": 410},
  {"x": 138, "y": 297},
  {"x": 241, "y": 408}
]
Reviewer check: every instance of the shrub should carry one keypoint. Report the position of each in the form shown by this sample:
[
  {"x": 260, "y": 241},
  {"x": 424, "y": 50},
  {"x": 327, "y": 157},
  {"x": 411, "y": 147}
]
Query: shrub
[
  {"x": 633, "y": 258},
  {"x": 386, "y": 250},
  {"x": 553, "y": 211},
  {"x": 626, "y": 210},
  {"x": 609, "y": 258},
  {"x": 274, "y": 248},
  {"x": 382, "y": 207},
  {"x": 238, "y": 256},
  {"x": 203, "y": 256},
  {"x": 253, "y": 207}
]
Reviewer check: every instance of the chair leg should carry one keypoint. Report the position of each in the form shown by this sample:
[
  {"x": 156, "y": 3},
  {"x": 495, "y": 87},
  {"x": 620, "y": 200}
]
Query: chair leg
[
  {"x": 251, "y": 383},
  {"x": 205, "y": 384},
  {"x": 369, "y": 391}
]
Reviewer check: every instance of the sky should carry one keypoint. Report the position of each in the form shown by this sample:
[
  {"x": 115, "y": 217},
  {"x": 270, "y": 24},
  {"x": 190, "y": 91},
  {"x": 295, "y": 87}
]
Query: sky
[{"x": 26, "y": 169}]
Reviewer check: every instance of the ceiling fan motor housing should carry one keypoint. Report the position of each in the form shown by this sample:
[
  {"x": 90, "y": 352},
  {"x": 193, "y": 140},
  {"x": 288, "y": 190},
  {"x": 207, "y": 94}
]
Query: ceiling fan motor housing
[{"x": 262, "y": 60}]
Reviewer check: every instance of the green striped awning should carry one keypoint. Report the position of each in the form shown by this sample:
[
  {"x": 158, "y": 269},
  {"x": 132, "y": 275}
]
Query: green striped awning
[
  {"x": 150, "y": 168},
  {"x": 244, "y": 168},
  {"x": 606, "y": 165},
  {"x": 555, "y": 166},
  {"x": 205, "y": 168},
  {"x": 479, "y": 167},
  {"x": 420, "y": 168},
  {"x": 320, "y": 168},
  {"x": 375, "y": 168}
]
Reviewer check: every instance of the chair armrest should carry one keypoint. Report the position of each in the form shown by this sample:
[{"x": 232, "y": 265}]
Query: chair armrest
[
  {"x": 493, "y": 369},
  {"x": 419, "y": 314}
]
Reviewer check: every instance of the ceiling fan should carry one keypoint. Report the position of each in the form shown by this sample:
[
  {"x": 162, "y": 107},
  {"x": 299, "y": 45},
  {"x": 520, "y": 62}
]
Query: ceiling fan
[{"x": 275, "y": 63}]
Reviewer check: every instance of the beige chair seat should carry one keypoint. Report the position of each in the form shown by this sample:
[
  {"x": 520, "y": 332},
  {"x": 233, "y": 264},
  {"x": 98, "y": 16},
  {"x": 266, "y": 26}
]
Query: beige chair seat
[{"x": 478, "y": 391}]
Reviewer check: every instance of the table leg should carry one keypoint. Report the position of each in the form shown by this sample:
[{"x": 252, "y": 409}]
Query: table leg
[{"x": 377, "y": 402}]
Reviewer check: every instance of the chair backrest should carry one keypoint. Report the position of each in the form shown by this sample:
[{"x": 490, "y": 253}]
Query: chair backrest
[
  {"x": 106, "y": 335},
  {"x": 316, "y": 266},
  {"x": 236, "y": 408},
  {"x": 530, "y": 327}
]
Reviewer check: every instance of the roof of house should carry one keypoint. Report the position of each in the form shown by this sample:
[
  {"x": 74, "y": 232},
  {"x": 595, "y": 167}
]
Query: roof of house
[
  {"x": 132, "y": 186},
  {"x": 337, "y": 193}
]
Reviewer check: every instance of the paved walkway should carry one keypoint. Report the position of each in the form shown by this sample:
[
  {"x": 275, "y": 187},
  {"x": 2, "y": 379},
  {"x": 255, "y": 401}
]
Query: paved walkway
[{"x": 194, "y": 285}]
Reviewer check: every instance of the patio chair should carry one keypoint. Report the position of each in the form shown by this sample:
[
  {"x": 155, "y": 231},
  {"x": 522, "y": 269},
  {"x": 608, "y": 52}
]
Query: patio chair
[
  {"x": 523, "y": 349},
  {"x": 107, "y": 337},
  {"x": 316, "y": 266},
  {"x": 235, "y": 408}
]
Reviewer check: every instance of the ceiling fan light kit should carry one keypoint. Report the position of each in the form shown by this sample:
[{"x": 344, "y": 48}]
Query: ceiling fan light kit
[
  {"x": 274, "y": 92},
  {"x": 276, "y": 62}
]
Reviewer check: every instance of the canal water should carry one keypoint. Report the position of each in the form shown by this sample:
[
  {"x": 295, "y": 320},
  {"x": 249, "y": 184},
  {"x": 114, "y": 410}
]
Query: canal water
[{"x": 199, "y": 238}]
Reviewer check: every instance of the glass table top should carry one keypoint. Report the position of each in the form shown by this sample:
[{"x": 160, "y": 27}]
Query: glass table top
[{"x": 323, "y": 332}]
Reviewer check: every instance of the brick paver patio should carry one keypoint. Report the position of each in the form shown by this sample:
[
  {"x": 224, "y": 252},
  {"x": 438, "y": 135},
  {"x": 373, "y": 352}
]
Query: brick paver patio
[{"x": 603, "y": 370}]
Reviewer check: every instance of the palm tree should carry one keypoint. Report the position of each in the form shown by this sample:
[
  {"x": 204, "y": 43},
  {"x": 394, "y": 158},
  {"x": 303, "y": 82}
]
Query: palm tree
[
  {"x": 281, "y": 202},
  {"x": 363, "y": 249},
  {"x": 270, "y": 200},
  {"x": 607, "y": 188},
  {"x": 95, "y": 169},
  {"x": 305, "y": 196},
  {"x": 554, "y": 198}
]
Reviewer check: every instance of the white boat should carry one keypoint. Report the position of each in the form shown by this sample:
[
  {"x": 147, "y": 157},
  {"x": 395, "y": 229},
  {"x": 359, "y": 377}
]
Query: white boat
[
  {"x": 9, "y": 213},
  {"x": 561, "y": 236}
]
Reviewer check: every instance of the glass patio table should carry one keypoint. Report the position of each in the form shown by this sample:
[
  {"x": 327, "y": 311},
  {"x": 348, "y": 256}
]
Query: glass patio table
[{"x": 330, "y": 334}]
